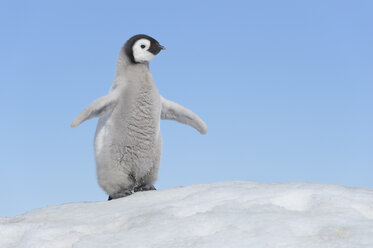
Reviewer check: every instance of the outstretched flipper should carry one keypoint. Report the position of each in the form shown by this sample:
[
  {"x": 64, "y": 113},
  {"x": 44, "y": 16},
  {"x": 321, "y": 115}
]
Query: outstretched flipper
[
  {"x": 97, "y": 108},
  {"x": 176, "y": 112}
]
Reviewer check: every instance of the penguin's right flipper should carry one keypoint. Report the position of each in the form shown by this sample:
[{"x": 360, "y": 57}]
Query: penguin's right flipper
[{"x": 97, "y": 108}]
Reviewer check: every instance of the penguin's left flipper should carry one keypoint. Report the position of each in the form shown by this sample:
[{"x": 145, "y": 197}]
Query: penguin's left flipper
[
  {"x": 176, "y": 112},
  {"x": 97, "y": 108}
]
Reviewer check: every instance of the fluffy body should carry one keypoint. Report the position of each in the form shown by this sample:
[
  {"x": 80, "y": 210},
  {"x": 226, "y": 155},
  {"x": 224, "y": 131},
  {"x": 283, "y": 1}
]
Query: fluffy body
[{"x": 128, "y": 140}]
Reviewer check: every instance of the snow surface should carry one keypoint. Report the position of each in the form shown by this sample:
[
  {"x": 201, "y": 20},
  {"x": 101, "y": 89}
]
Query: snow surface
[{"x": 232, "y": 214}]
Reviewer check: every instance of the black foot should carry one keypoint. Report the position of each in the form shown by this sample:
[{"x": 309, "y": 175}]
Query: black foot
[
  {"x": 144, "y": 188},
  {"x": 120, "y": 194}
]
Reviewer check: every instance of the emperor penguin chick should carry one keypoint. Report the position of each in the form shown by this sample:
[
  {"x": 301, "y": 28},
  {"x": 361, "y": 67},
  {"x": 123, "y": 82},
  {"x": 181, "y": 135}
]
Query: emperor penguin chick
[{"x": 127, "y": 142}]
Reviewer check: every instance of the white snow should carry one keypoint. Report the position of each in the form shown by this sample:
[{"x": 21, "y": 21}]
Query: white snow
[{"x": 232, "y": 214}]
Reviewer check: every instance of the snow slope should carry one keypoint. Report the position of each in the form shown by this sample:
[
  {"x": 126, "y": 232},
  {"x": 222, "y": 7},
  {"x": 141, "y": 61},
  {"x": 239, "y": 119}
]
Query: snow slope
[{"x": 232, "y": 214}]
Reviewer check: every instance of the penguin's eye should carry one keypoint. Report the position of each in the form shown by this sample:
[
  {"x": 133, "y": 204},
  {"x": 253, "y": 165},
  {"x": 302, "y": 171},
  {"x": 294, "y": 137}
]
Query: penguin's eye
[{"x": 142, "y": 46}]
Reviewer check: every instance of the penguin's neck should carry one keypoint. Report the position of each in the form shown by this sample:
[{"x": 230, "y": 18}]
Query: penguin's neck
[
  {"x": 126, "y": 69},
  {"x": 124, "y": 63}
]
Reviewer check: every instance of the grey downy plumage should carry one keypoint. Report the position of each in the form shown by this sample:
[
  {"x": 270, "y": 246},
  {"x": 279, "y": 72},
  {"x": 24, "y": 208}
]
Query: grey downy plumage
[{"x": 128, "y": 140}]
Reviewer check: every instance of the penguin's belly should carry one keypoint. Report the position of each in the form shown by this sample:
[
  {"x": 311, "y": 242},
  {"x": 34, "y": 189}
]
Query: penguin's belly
[
  {"x": 127, "y": 141},
  {"x": 142, "y": 132}
]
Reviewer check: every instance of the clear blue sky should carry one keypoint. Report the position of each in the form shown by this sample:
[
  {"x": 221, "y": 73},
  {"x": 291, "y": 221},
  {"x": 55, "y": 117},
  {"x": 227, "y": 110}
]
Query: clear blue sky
[{"x": 286, "y": 88}]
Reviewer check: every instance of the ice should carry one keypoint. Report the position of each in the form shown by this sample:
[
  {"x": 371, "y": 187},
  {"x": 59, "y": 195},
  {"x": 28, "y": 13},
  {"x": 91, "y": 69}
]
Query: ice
[{"x": 230, "y": 214}]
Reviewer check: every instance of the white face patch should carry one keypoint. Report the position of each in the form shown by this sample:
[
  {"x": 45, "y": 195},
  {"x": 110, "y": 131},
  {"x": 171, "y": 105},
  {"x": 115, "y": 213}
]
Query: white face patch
[{"x": 140, "y": 51}]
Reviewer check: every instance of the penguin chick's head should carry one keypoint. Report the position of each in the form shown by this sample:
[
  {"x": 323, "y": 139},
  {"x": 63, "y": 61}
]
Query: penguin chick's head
[{"x": 142, "y": 48}]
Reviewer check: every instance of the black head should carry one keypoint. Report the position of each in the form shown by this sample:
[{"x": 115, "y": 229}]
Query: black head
[{"x": 142, "y": 48}]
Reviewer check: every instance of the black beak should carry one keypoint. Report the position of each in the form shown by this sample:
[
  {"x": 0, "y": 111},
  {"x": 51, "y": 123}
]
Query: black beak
[{"x": 156, "y": 48}]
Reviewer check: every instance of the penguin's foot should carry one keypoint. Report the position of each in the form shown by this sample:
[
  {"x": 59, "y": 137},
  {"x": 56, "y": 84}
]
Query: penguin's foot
[
  {"x": 144, "y": 188},
  {"x": 120, "y": 194}
]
